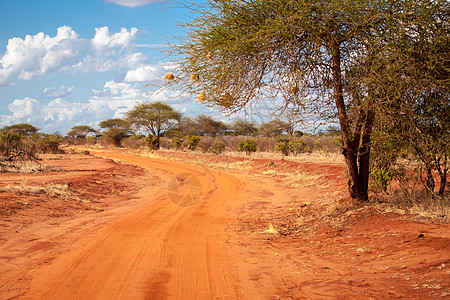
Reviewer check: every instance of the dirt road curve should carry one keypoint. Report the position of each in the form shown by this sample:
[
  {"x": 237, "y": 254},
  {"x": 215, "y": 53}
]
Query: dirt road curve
[{"x": 156, "y": 252}]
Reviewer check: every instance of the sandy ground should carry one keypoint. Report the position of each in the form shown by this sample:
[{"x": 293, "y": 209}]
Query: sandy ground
[{"x": 190, "y": 226}]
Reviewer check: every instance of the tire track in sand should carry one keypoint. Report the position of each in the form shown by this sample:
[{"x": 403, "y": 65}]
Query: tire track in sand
[{"x": 159, "y": 251}]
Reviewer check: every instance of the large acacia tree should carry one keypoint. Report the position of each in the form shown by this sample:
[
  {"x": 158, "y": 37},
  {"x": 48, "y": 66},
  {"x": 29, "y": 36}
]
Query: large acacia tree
[
  {"x": 308, "y": 53},
  {"x": 154, "y": 118}
]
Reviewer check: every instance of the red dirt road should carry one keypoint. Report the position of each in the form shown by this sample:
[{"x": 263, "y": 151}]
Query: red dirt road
[
  {"x": 159, "y": 251},
  {"x": 215, "y": 244}
]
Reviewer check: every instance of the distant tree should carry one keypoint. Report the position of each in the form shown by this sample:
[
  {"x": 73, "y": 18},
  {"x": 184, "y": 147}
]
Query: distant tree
[
  {"x": 80, "y": 131},
  {"x": 21, "y": 129},
  {"x": 155, "y": 118},
  {"x": 217, "y": 147},
  {"x": 206, "y": 125},
  {"x": 186, "y": 126},
  {"x": 248, "y": 146},
  {"x": 115, "y": 130},
  {"x": 243, "y": 127},
  {"x": 274, "y": 128},
  {"x": 200, "y": 125}
]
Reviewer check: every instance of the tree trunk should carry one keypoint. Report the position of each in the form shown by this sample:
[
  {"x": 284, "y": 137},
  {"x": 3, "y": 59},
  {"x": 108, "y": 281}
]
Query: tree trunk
[
  {"x": 430, "y": 180},
  {"x": 357, "y": 188},
  {"x": 364, "y": 152}
]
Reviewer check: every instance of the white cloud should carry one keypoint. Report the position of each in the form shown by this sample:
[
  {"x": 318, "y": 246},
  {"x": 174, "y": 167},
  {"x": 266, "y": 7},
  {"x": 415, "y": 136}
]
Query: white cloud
[
  {"x": 111, "y": 101},
  {"x": 42, "y": 54},
  {"x": 105, "y": 39},
  {"x": 150, "y": 73},
  {"x": 132, "y": 3},
  {"x": 23, "y": 108},
  {"x": 57, "y": 92},
  {"x": 142, "y": 74}
]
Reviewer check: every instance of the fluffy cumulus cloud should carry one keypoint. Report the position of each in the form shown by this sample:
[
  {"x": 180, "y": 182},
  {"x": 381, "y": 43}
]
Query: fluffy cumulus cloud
[
  {"x": 57, "y": 92},
  {"x": 42, "y": 54},
  {"x": 133, "y": 3},
  {"x": 150, "y": 73},
  {"x": 112, "y": 101}
]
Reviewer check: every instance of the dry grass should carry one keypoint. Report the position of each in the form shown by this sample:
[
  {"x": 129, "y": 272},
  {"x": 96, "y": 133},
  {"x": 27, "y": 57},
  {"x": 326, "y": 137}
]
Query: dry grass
[
  {"x": 53, "y": 190},
  {"x": 418, "y": 204},
  {"x": 26, "y": 167}
]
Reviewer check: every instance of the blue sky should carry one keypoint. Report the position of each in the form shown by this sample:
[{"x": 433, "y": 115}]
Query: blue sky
[{"x": 67, "y": 62}]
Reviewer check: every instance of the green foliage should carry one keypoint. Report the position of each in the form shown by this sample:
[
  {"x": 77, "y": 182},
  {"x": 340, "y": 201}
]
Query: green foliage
[
  {"x": 9, "y": 143},
  {"x": 249, "y": 146},
  {"x": 283, "y": 146},
  {"x": 21, "y": 129},
  {"x": 298, "y": 146},
  {"x": 80, "y": 131},
  {"x": 114, "y": 136},
  {"x": 243, "y": 127},
  {"x": 152, "y": 142},
  {"x": 114, "y": 123},
  {"x": 154, "y": 118},
  {"x": 177, "y": 143},
  {"x": 91, "y": 140},
  {"x": 217, "y": 147},
  {"x": 47, "y": 143},
  {"x": 12, "y": 144},
  {"x": 192, "y": 142},
  {"x": 286, "y": 147},
  {"x": 134, "y": 142}
]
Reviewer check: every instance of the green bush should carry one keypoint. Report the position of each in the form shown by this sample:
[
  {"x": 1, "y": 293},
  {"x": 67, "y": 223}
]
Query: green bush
[
  {"x": 152, "y": 142},
  {"x": 192, "y": 142},
  {"x": 217, "y": 147},
  {"x": 47, "y": 143},
  {"x": 91, "y": 140},
  {"x": 177, "y": 143},
  {"x": 10, "y": 143},
  {"x": 283, "y": 146},
  {"x": 133, "y": 142},
  {"x": 298, "y": 146},
  {"x": 248, "y": 146}
]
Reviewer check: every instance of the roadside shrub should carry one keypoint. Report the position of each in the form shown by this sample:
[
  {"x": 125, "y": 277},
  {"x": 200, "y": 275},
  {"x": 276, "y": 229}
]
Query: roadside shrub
[
  {"x": 91, "y": 140},
  {"x": 177, "y": 143},
  {"x": 10, "y": 143},
  {"x": 298, "y": 146},
  {"x": 205, "y": 143},
  {"x": 283, "y": 146},
  {"x": 47, "y": 143},
  {"x": 265, "y": 144},
  {"x": 133, "y": 142},
  {"x": 192, "y": 142},
  {"x": 249, "y": 146},
  {"x": 85, "y": 152},
  {"x": 152, "y": 142},
  {"x": 217, "y": 147}
]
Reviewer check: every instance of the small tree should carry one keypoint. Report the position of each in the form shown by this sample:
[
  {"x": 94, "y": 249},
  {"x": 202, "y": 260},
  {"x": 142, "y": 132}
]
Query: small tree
[
  {"x": 243, "y": 127},
  {"x": 249, "y": 146},
  {"x": 273, "y": 128},
  {"x": 155, "y": 118},
  {"x": 21, "y": 129},
  {"x": 206, "y": 125},
  {"x": 192, "y": 142},
  {"x": 115, "y": 130},
  {"x": 80, "y": 131},
  {"x": 217, "y": 147},
  {"x": 283, "y": 146}
]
